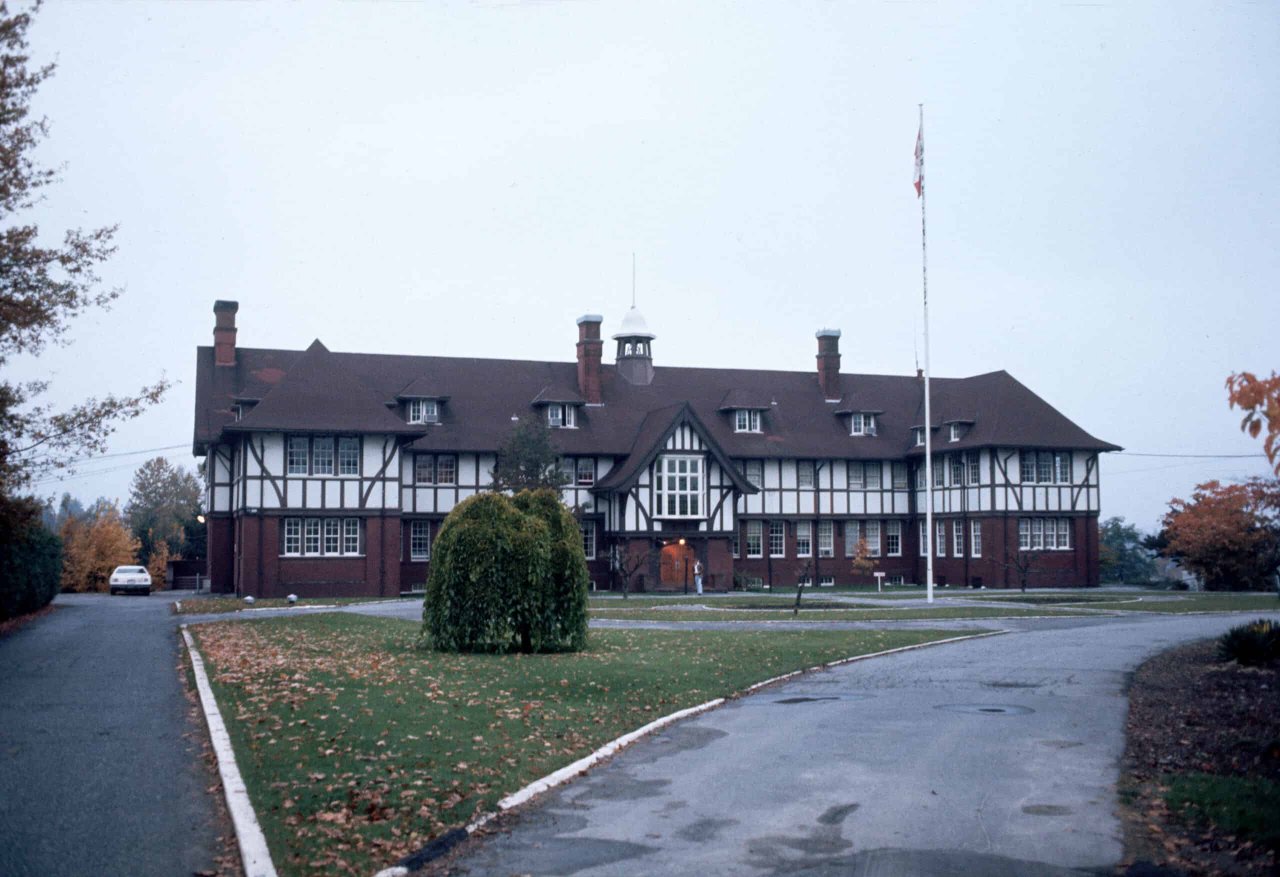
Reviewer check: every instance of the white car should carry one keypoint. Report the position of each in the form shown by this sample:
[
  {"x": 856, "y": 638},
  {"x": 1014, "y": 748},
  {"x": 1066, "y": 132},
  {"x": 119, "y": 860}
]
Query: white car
[{"x": 130, "y": 578}]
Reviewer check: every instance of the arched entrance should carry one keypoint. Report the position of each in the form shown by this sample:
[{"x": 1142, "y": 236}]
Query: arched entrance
[{"x": 675, "y": 566}]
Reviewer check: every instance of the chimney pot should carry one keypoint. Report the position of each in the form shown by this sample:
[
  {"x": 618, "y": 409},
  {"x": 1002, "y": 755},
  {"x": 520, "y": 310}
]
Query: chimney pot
[{"x": 224, "y": 332}]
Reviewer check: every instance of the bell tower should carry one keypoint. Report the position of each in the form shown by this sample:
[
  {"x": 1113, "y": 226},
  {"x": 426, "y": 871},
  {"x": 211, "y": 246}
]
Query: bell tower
[{"x": 635, "y": 356}]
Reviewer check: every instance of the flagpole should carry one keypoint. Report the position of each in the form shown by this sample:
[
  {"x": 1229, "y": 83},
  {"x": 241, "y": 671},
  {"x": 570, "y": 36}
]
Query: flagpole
[{"x": 929, "y": 537}]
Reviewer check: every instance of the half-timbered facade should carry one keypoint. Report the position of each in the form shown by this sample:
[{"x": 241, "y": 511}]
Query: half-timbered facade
[{"x": 330, "y": 473}]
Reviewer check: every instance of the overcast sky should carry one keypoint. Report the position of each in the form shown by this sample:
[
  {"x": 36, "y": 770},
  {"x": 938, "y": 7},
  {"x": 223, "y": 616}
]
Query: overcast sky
[{"x": 466, "y": 179}]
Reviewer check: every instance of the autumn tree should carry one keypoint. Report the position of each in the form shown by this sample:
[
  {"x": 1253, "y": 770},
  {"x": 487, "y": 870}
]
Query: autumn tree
[
  {"x": 1259, "y": 398},
  {"x": 1228, "y": 534},
  {"x": 94, "y": 545},
  {"x": 862, "y": 564},
  {"x": 527, "y": 460},
  {"x": 164, "y": 501},
  {"x": 1122, "y": 556},
  {"x": 44, "y": 285}
]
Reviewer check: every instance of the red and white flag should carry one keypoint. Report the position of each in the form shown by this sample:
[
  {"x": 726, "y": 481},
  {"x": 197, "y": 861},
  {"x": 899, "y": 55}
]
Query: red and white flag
[{"x": 919, "y": 178}]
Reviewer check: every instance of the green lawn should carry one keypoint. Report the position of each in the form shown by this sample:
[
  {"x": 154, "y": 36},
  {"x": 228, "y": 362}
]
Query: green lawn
[
  {"x": 357, "y": 747},
  {"x": 219, "y": 605},
  {"x": 910, "y": 613},
  {"x": 1182, "y": 602}
]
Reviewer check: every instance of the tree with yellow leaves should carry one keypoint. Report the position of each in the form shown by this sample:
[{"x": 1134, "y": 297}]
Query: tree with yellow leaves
[{"x": 94, "y": 545}]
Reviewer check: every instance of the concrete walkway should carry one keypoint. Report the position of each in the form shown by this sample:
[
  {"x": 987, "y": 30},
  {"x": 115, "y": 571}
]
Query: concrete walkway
[{"x": 996, "y": 757}]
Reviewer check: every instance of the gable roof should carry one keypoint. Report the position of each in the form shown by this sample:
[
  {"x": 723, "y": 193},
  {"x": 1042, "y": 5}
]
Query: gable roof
[{"x": 651, "y": 438}]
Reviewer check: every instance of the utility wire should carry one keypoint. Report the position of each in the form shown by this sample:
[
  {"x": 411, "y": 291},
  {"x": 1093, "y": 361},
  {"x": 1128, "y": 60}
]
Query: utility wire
[{"x": 1192, "y": 456}]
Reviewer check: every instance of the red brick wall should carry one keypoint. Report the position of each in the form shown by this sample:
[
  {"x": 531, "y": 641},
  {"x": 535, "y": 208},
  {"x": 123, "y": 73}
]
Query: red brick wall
[
  {"x": 220, "y": 536},
  {"x": 262, "y": 572}
]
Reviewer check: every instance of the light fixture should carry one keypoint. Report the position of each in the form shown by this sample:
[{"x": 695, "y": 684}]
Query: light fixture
[{"x": 199, "y": 519}]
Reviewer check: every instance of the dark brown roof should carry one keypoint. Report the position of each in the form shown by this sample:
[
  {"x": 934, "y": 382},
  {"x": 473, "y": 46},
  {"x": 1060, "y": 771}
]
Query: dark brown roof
[{"x": 349, "y": 391}]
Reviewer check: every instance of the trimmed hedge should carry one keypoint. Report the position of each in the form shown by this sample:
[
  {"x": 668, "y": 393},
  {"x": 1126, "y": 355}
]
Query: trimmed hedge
[
  {"x": 507, "y": 574},
  {"x": 30, "y": 570}
]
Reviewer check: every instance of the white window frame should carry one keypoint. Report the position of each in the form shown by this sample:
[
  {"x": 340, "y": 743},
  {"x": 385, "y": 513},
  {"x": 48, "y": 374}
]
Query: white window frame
[
  {"x": 975, "y": 538},
  {"x": 940, "y": 528},
  {"x": 917, "y": 436},
  {"x": 826, "y": 581},
  {"x": 322, "y": 455},
  {"x": 311, "y": 541},
  {"x": 446, "y": 469},
  {"x": 755, "y": 539},
  {"x": 862, "y": 424},
  {"x": 588, "y": 529},
  {"x": 351, "y": 537},
  {"x": 735, "y": 544},
  {"x": 348, "y": 455},
  {"x": 852, "y": 536},
  {"x": 753, "y": 472},
  {"x": 746, "y": 420},
  {"x": 1037, "y": 534},
  {"x": 297, "y": 455},
  {"x": 1062, "y": 467},
  {"x": 953, "y": 432},
  {"x": 1044, "y": 468},
  {"x": 804, "y": 539},
  {"x": 585, "y": 471},
  {"x": 292, "y": 536},
  {"x": 1024, "y": 534},
  {"x": 974, "y": 461},
  {"x": 1027, "y": 467},
  {"x": 924, "y": 539},
  {"x": 939, "y": 473},
  {"x": 777, "y": 539},
  {"x": 424, "y": 469},
  {"x": 1065, "y": 530},
  {"x": 681, "y": 488},
  {"x": 957, "y": 538},
  {"x": 855, "y": 475},
  {"x": 826, "y": 539},
  {"x": 420, "y": 540},
  {"x": 898, "y": 472},
  {"x": 872, "y": 530},
  {"x": 562, "y": 415},
  {"x": 806, "y": 474},
  {"x": 873, "y": 474},
  {"x": 332, "y": 536},
  {"x": 893, "y": 538},
  {"x": 424, "y": 411},
  {"x": 957, "y": 469}
]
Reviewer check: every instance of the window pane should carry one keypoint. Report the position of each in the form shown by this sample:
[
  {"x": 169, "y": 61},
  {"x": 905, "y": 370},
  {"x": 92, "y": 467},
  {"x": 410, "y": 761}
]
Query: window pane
[
  {"x": 856, "y": 474},
  {"x": 420, "y": 540},
  {"x": 976, "y": 529},
  {"x": 893, "y": 538},
  {"x": 826, "y": 539},
  {"x": 350, "y": 535},
  {"x": 852, "y": 533},
  {"x": 297, "y": 455},
  {"x": 871, "y": 473},
  {"x": 777, "y": 539},
  {"x": 348, "y": 456},
  {"x": 899, "y": 476},
  {"x": 446, "y": 469},
  {"x": 873, "y": 538},
  {"x": 804, "y": 539},
  {"x": 424, "y": 469},
  {"x": 754, "y": 546},
  {"x": 311, "y": 542},
  {"x": 586, "y": 474}
]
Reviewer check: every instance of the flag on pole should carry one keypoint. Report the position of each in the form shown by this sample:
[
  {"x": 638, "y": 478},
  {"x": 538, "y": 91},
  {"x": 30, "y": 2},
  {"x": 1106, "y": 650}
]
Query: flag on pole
[{"x": 919, "y": 178}]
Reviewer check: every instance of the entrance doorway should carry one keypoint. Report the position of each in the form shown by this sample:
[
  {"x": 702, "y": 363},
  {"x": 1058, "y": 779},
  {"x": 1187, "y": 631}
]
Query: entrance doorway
[{"x": 675, "y": 566}]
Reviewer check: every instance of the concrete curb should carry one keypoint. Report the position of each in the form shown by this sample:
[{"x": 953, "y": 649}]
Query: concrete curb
[
  {"x": 253, "y": 845},
  {"x": 451, "y": 839}
]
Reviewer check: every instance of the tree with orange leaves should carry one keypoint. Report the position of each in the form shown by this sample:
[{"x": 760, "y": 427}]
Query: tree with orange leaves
[
  {"x": 1259, "y": 398},
  {"x": 1228, "y": 534}
]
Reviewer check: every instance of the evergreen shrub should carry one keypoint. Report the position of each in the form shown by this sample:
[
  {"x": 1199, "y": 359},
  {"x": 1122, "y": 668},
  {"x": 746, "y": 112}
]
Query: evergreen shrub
[
  {"x": 30, "y": 570},
  {"x": 507, "y": 574},
  {"x": 1252, "y": 645}
]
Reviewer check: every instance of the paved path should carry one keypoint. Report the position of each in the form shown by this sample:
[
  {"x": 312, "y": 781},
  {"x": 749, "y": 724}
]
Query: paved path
[
  {"x": 99, "y": 770},
  {"x": 991, "y": 757}
]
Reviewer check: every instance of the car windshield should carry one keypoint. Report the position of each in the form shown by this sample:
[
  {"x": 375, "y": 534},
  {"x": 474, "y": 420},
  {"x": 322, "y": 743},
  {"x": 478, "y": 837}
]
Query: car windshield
[{"x": 130, "y": 570}]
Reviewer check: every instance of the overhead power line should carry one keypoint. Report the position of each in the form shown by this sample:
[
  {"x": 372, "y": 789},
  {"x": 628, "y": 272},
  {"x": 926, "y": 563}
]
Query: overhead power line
[{"x": 1194, "y": 456}]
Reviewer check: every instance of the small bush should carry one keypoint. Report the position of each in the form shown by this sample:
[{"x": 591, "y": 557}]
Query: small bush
[
  {"x": 30, "y": 569},
  {"x": 1253, "y": 645},
  {"x": 507, "y": 574}
]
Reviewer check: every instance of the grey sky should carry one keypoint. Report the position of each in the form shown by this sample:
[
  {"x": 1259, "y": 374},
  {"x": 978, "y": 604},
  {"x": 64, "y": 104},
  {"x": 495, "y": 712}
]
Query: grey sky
[{"x": 465, "y": 179}]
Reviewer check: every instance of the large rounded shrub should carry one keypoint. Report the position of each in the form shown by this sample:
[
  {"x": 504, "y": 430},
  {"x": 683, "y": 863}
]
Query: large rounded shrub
[{"x": 503, "y": 577}]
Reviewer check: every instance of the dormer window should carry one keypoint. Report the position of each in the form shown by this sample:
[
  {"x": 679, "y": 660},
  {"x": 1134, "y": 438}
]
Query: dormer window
[
  {"x": 863, "y": 424},
  {"x": 917, "y": 435},
  {"x": 424, "y": 411},
  {"x": 954, "y": 431},
  {"x": 746, "y": 420},
  {"x": 562, "y": 416}
]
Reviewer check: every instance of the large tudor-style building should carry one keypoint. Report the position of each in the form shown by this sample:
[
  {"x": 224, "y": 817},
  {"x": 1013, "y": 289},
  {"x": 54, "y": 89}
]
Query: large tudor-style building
[{"x": 330, "y": 473}]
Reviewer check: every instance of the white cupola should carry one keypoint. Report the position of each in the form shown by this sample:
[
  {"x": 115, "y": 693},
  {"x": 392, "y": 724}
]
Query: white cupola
[{"x": 635, "y": 356}]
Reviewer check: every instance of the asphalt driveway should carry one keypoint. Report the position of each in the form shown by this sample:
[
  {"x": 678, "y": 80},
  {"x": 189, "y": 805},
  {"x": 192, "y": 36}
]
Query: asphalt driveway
[
  {"x": 991, "y": 757},
  {"x": 100, "y": 767}
]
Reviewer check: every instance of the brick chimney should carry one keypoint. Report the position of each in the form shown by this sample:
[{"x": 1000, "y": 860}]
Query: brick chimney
[
  {"x": 224, "y": 332},
  {"x": 589, "y": 349},
  {"x": 829, "y": 363}
]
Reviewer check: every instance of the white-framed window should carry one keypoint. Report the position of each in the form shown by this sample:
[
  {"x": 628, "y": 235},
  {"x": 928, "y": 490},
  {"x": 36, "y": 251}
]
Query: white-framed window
[
  {"x": 297, "y": 461},
  {"x": 941, "y": 528},
  {"x": 856, "y": 475},
  {"x": 585, "y": 474},
  {"x": 873, "y": 538},
  {"x": 893, "y": 538},
  {"x": 424, "y": 469},
  {"x": 975, "y": 538},
  {"x": 974, "y": 459},
  {"x": 957, "y": 469},
  {"x": 680, "y": 487},
  {"x": 957, "y": 538},
  {"x": 804, "y": 539},
  {"x": 311, "y": 536},
  {"x": 805, "y": 582},
  {"x": 753, "y": 471},
  {"x": 419, "y": 540},
  {"x": 588, "y": 529},
  {"x": 1027, "y": 466},
  {"x": 1044, "y": 467},
  {"x": 953, "y": 432},
  {"x": 804, "y": 474},
  {"x": 939, "y": 472},
  {"x": 1037, "y": 534},
  {"x": 862, "y": 424},
  {"x": 348, "y": 455},
  {"x": 1064, "y": 534},
  {"x": 1024, "y": 534},
  {"x": 321, "y": 536},
  {"x": 871, "y": 474},
  {"x": 826, "y": 581},
  {"x": 777, "y": 539},
  {"x": 424, "y": 411},
  {"x": 899, "y": 471},
  {"x": 735, "y": 544},
  {"x": 924, "y": 539},
  {"x": 917, "y": 435},
  {"x": 755, "y": 541},
  {"x": 896, "y": 580},
  {"x": 852, "y": 535},
  {"x": 826, "y": 539},
  {"x": 746, "y": 420},
  {"x": 446, "y": 469},
  {"x": 562, "y": 416},
  {"x": 1062, "y": 467},
  {"x": 322, "y": 455},
  {"x": 920, "y": 476}
]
